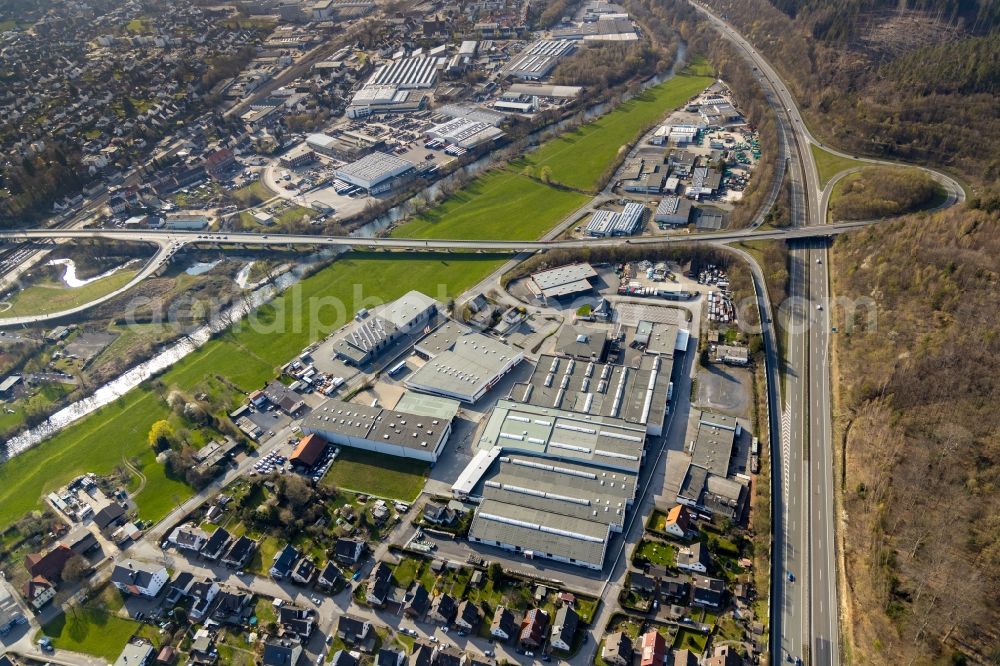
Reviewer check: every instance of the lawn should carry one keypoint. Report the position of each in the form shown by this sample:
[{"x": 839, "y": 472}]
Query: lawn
[
  {"x": 690, "y": 640},
  {"x": 51, "y": 296},
  {"x": 829, "y": 165},
  {"x": 578, "y": 158},
  {"x": 499, "y": 204},
  {"x": 377, "y": 474},
  {"x": 253, "y": 194},
  {"x": 656, "y": 552},
  {"x": 92, "y": 628}
]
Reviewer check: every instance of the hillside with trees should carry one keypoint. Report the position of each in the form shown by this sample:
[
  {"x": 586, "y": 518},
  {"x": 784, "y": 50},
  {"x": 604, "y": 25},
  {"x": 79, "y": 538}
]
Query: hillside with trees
[
  {"x": 918, "y": 364},
  {"x": 916, "y": 82}
]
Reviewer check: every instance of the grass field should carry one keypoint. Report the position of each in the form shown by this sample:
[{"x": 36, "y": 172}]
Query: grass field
[
  {"x": 93, "y": 628},
  {"x": 829, "y": 165},
  {"x": 247, "y": 357},
  {"x": 578, "y": 158},
  {"x": 252, "y": 194},
  {"x": 499, "y": 204},
  {"x": 377, "y": 474},
  {"x": 51, "y": 296}
]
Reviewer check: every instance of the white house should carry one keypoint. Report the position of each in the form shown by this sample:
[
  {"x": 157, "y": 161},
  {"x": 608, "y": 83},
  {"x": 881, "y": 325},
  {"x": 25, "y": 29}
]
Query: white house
[
  {"x": 694, "y": 558},
  {"x": 139, "y": 578},
  {"x": 188, "y": 537}
]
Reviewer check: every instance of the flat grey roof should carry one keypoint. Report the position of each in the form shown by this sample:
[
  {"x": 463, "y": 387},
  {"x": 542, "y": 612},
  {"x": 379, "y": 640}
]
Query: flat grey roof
[
  {"x": 402, "y": 311},
  {"x": 473, "y": 362},
  {"x": 662, "y": 339},
  {"x": 535, "y": 530},
  {"x": 592, "y": 388},
  {"x": 561, "y": 488},
  {"x": 577, "y": 340},
  {"x": 389, "y": 426},
  {"x": 713, "y": 444},
  {"x": 428, "y": 405},
  {"x": 565, "y": 279},
  {"x": 607, "y": 442},
  {"x": 442, "y": 338}
]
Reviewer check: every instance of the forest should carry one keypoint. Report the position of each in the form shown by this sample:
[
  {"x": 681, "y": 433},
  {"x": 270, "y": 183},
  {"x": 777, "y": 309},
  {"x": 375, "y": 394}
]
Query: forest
[
  {"x": 901, "y": 84},
  {"x": 920, "y": 464}
]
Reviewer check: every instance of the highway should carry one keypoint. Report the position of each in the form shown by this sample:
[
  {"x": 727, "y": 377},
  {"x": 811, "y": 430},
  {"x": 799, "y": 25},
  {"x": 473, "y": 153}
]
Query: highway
[{"x": 804, "y": 610}]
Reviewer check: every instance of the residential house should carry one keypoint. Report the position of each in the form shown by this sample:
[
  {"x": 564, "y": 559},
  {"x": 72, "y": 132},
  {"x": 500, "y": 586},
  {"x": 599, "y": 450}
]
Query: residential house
[
  {"x": 724, "y": 655},
  {"x": 38, "y": 591},
  {"x": 216, "y": 544},
  {"x": 139, "y": 578},
  {"x": 417, "y": 601},
  {"x": 284, "y": 560},
  {"x": 80, "y": 540},
  {"x": 239, "y": 552},
  {"x": 353, "y": 631},
  {"x": 109, "y": 517},
  {"x": 448, "y": 656},
  {"x": 295, "y": 620},
  {"x": 379, "y": 585},
  {"x": 283, "y": 653},
  {"x": 167, "y": 656},
  {"x": 423, "y": 655},
  {"x": 694, "y": 558},
  {"x": 685, "y": 658},
  {"x": 202, "y": 594},
  {"x": 304, "y": 571},
  {"x": 343, "y": 658},
  {"x": 564, "y": 628},
  {"x": 678, "y": 522},
  {"x": 48, "y": 565},
  {"x": 188, "y": 537},
  {"x": 617, "y": 649},
  {"x": 468, "y": 616},
  {"x": 439, "y": 514},
  {"x": 135, "y": 654},
  {"x": 349, "y": 551},
  {"x": 640, "y": 582},
  {"x": 708, "y": 591},
  {"x": 203, "y": 649},
  {"x": 653, "y": 650},
  {"x": 674, "y": 589},
  {"x": 533, "y": 628},
  {"x": 330, "y": 578},
  {"x": 389, "y": 657},
  {"x": 503, "y": 626},
  {"x": 443, "y": 609},
  {"x": 179, "y": 588},
  {"x": 232, "y": 608}
]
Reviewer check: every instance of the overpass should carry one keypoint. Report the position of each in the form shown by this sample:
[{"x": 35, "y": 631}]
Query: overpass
[{"x": 224, "y": 241}]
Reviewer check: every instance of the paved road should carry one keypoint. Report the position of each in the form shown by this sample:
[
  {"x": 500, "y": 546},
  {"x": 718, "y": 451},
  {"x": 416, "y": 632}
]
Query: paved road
[
  {"x": 233, "y": 240},
  {"x": 804, "y": 611}
]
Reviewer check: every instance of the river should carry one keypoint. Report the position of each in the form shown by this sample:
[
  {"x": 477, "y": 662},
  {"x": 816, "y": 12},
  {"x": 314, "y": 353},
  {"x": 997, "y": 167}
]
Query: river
[{"x": 70, "y": 279}]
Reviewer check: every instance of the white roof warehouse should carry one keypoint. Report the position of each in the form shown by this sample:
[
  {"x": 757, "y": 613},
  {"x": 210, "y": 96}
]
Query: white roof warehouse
[
  {"x": 466, "y": 371},
  {"x": 375, "y": 172}
]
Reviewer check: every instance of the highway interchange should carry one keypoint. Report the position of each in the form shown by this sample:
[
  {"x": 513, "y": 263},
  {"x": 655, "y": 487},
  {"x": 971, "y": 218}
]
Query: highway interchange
[{"x": 804, "y": 603}]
